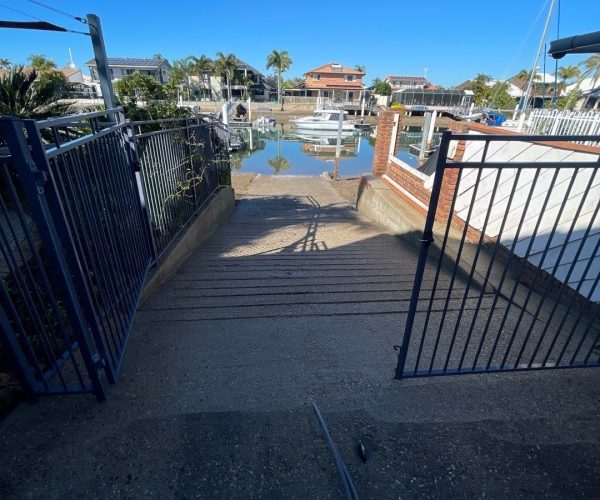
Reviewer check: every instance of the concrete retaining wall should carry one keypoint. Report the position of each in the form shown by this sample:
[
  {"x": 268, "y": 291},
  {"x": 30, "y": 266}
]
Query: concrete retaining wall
[{"x": 216, "y": 212}]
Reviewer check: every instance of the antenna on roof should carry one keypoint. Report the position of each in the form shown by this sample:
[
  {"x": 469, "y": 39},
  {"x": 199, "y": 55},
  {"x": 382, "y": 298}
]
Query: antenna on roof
[{"x": 71, "y": 63}]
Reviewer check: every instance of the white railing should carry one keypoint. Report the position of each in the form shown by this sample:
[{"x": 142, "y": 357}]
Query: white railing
[{"x": 556, "y": 122}]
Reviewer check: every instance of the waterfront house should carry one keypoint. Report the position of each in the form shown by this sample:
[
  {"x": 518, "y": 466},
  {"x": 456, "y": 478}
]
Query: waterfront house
[
  {"x": 331, "y": 81},
  {"x": 119, "y": 67}
]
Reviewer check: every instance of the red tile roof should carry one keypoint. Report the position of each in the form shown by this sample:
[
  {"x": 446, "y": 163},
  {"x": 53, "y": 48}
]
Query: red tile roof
[{"x": 328, "y": 68}]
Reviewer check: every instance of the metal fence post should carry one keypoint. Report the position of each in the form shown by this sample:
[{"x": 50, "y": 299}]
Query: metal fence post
[
  {"x": 131, "y": 140},
  {"x": 425, "y": 241},
  {"x": 54, "y": 204},
  {"x": 34, "y": 186}
]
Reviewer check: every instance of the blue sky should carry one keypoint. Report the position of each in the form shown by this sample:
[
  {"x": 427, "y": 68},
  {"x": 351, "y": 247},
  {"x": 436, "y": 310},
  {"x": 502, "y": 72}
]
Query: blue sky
[{"x": 453, "y": 39}]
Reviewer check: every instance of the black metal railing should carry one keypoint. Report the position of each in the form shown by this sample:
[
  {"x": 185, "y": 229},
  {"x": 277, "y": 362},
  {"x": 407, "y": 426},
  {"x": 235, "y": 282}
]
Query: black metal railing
[
  {"x": 508, "y": 271},
  {"x": 182, "y": 163},
  {"x": 78, "y": 234}
]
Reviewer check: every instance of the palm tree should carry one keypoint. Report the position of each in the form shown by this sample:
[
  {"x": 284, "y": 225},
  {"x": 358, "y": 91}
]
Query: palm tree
[
  {"x": 246, "y": 81},
  {"x": 184, "y": 67},
  {"x": 523, "y": 75},
  {"x": 281, "y": 61},
  {"x": 592, "y": 67},
  {"x": 5, "y": 63},
  {"x": 226, "y": 65},
  {"x": 568, "y": 72},
  {"x": 41, "y": 64},
  {"x": 25, "y": 95},
  {"x": 203, "y": 66},
  {"x": 360, "y": 67}
]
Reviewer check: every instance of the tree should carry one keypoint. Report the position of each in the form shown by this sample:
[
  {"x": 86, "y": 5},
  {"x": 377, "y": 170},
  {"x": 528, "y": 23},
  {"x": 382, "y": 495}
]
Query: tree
[
  {"x": 27, "y": 96},
  {"x": 203, "y": 66},
  {"x": 5, "y": 63},
  {"x": 523, "y": 75},
  {"x": 138, "y": 86},
  {"x": 157, "y": 56},
  {"x": 41, "y": 64},
  {"x": 226, "y": 65},
  {"x": 360, "y": 67},
  {"x": 592, "y": 68},
  {"x": 182, "y": 69},
  {"x": 292, "y": 83},
  {"x": 566, "y": 73},
  {"x": 481, "y": 89},
  {"x": 281, "y": 62},
  {"x": 380, "y": 87},
  {"x": 499, "y": 97}
]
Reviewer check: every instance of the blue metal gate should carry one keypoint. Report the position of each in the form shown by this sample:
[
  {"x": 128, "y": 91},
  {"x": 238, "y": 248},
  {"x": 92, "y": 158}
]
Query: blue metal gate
[
  {"x": 509, "y": 264},
  {"x": 77, "y": 239}
]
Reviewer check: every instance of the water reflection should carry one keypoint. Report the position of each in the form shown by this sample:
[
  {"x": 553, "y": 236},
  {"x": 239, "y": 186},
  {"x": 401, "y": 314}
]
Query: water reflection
[
  {"x": 282, "y": 150},
  {"x": 279, "y": 163}
]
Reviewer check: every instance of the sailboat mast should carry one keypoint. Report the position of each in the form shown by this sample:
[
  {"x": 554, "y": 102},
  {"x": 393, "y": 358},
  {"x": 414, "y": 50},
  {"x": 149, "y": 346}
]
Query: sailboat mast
[{"x": 537, "y": 57}]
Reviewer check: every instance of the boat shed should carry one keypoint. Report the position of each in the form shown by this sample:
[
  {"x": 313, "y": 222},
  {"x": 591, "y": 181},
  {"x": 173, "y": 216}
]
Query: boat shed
[{"x": 433, "y": 97}]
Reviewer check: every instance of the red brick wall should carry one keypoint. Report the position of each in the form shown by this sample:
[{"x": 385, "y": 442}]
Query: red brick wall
[
  {"x": 404, "y": 177},
  {"x": 412, "y": 183},
  {"x": 385, "y": 125}
]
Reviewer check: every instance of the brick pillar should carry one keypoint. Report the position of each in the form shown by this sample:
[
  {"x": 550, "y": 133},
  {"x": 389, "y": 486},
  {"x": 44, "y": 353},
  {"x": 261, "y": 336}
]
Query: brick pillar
[
  {"x": 449, "y": 183},
  {"x": 385, "y": 127},
  {"x": 457, "y": 127},
  {"x": 451, "y": 175}
]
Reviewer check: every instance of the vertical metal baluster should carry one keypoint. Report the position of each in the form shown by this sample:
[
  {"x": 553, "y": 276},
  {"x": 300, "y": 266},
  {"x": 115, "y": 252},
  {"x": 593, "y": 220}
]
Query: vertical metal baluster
[{"x": 426, "y": 240}]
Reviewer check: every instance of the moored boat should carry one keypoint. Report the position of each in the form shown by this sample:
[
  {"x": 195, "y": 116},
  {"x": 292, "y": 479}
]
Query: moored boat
[{"x": 325, "y": 119}]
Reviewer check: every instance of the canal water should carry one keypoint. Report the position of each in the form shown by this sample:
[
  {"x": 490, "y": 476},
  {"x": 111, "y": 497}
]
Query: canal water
[{"x": 282, "y": 151}]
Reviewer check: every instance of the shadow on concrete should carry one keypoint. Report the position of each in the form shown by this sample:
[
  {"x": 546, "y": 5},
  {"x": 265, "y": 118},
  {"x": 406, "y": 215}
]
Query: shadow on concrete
[{"x": 295, "y": 301}]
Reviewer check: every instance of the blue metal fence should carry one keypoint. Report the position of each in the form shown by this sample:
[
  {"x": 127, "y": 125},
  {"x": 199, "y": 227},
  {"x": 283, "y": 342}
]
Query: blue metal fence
[
  {"x": 512, "y": 281},
  {"x": 78, "y": 235}
]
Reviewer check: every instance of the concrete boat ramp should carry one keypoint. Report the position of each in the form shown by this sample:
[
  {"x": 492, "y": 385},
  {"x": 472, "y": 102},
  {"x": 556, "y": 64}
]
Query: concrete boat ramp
[{"x": 297, "y": 299}]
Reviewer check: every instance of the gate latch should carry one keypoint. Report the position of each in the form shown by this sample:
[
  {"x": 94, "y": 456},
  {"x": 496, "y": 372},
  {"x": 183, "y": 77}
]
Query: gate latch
[{"x": 427, "y": 238}]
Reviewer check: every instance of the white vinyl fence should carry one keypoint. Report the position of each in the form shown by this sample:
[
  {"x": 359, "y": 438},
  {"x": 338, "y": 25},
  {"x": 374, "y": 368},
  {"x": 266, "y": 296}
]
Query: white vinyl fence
[{"x": 556, "y": 122}]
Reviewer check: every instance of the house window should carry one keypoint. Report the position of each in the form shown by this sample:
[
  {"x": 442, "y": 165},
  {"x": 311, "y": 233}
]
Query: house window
[
  {"x": 316, "y": 76},
  {"x": 349, "y": 78}
]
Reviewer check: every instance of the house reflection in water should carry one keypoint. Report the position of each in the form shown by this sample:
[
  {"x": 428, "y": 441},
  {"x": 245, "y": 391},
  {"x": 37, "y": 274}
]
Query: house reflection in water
[{"x": 280, "y": 150}]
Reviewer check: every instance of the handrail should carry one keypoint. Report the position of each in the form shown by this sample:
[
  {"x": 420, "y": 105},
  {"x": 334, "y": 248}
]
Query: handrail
[{"x": 53, "y": 122}]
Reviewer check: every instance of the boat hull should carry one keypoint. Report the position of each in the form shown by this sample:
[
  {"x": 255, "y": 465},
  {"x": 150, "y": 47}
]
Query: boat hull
[{"x": 316, "y": 125}]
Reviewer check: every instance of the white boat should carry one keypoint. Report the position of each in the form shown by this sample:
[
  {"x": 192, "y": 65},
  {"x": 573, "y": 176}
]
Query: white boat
[
  {"x": 321, "y": 136},
  {"x": 265, "y": 121},
  {"x": 325, "y": 119}
]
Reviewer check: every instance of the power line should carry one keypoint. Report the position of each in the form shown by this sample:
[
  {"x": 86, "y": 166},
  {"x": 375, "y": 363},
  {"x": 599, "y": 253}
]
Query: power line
[
  {"x": 38, "y": 19},
  {"x": 21, "y": 12},
  {"x": 77, "y": 18}
]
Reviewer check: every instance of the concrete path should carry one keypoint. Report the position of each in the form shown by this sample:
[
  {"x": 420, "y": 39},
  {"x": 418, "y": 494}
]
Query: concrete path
[{"x": 296, "y": 299}]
